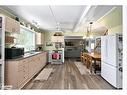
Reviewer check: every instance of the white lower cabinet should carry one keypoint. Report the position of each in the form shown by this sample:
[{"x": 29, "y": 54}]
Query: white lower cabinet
[{"x": 19, "y": 72}]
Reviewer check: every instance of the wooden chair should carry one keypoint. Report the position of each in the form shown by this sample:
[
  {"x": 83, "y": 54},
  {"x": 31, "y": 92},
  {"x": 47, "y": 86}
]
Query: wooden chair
[
  {"x": 85, "y": 59},
  {"x": 93, "y": 67},
  {"x": 90, "y": 63},
  {"x": 98, "y": 66}
]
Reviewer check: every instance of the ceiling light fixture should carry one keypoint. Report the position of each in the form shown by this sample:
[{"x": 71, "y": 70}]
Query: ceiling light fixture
[{"x": 89, "y": 30}]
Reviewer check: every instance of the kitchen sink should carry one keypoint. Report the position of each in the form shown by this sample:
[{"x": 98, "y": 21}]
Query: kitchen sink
[{"x": 32, "y": 53}]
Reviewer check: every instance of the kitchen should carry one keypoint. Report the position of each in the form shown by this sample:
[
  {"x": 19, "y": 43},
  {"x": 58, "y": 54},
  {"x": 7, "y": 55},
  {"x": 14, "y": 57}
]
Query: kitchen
[{"x": 51, "y": 44}]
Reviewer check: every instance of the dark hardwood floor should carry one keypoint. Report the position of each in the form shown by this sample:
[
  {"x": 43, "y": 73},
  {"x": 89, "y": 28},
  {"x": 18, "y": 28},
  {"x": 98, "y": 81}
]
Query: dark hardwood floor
[{"x": 67, "y": 76}]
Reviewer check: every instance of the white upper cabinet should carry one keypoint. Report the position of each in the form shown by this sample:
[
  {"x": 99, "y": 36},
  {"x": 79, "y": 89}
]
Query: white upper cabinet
[
  {"x": 57, "y": 38},
  {"x": 39, "y": 38}
]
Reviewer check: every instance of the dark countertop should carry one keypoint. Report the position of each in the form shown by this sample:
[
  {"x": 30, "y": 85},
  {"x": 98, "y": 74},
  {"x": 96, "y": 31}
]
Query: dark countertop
[{"x": 26, "y": 55}]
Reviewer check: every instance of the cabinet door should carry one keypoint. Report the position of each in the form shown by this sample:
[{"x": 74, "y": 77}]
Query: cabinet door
[
  {"x": 57, "y": 38},
  {"x": 25, "y": 69},
  {"x": 38, "y": 38},
  {"x": 11, "y": 73},
  {"x": 17, "y": 27},
  {"x": 20, "y": 78},
  {"x": 53, "y": 39},
  {"x": 43, "y": 59},
  {"x": 20, "y": 73},
  {"x": 43, "y": 39},
  {"x": 8, "y": 24},
  {"x": 30, "y": 67},
  {"x": 60, "y": 38},
  {"x": 34, "y": 65},
  {"x": 26, "y": 73},
  {"x": 11, "y": 25}
]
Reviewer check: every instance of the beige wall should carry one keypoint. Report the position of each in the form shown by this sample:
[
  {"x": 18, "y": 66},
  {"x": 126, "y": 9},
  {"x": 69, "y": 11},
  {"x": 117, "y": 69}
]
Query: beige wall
[
  {"x": 113, "y": 21},
  {"x": 49, "y": 34}
]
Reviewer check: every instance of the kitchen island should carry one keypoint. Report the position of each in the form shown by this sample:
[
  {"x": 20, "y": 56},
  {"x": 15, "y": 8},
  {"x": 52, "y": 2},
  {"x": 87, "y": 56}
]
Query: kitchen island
[{"x": 21, "y": 70}]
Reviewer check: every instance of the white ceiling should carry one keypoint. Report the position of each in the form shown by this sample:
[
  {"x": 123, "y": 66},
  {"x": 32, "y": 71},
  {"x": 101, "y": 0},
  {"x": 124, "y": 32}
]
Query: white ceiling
[
  {"x": 67, "y": 16},
  {"x": 47, "y": 17}
]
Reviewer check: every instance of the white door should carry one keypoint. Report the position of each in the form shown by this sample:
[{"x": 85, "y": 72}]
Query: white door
[
  {"x": 111, "y": 50},
  {"x": 109, "y": 74}
]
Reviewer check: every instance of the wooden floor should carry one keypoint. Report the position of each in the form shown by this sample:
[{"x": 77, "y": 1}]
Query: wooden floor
[{"x": 67, "y": 76}]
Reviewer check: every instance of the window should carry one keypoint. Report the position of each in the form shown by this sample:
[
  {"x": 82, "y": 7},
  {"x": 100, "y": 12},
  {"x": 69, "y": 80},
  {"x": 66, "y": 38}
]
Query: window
[
  {"x": 26, "y": 39},
  {"x": 92, "y": 46}
]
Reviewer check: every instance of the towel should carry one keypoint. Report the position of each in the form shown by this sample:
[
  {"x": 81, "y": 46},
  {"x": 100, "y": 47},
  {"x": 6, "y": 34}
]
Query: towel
[{"x": 56, "y": 56}]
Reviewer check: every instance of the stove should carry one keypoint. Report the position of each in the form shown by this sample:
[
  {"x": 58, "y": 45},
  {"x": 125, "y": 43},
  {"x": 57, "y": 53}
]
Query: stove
[{"x": 56, "y": 57}]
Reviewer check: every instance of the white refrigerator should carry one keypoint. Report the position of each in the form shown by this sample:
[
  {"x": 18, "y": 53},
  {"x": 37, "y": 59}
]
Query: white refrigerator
[{"x": 111, "y": 58}]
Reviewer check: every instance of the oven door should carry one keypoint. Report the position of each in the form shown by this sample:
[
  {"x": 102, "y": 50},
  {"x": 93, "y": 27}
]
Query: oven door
[{"x": 56, "y": 56}]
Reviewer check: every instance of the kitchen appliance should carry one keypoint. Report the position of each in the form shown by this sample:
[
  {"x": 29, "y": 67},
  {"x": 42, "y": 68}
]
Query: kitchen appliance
[
  {"x": 12, "y": 53},
  {"x": 111, "y": 58},
  {"x": 56, "y": 57}
]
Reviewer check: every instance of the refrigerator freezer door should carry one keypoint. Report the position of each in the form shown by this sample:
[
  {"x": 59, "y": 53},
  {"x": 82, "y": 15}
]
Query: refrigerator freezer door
[
  {"x": 108, "y": 50},
  {"x": 109, "y": 74},
  {"x": 111, "y": 51}
]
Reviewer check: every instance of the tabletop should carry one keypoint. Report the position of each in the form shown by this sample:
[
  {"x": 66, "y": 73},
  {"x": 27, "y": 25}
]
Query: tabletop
[{"x": 94, "y": 55}]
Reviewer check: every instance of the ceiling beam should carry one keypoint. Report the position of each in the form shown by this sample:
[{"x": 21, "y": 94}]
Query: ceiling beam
[{"x": 82, "y": 17}]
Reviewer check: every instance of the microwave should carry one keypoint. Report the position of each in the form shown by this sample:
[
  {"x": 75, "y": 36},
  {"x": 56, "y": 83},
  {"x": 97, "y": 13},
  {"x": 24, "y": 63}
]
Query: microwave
[{"x": 12, "y": 53}]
